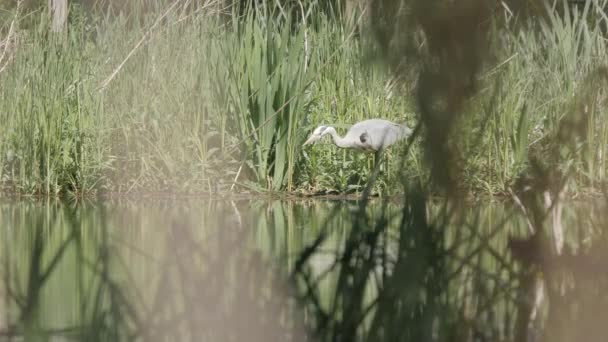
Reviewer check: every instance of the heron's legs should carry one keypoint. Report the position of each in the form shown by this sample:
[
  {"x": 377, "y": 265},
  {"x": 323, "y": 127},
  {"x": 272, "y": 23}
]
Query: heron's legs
[
  {"x": 377, "y": 156},
  {"x": 386, "y": 165},
  {"x": 381, "y": 158},
  {"x": 380, "y": 161}
]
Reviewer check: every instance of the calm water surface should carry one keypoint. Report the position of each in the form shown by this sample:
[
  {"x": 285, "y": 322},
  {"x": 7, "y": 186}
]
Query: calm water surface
[{"x": 258, "y": 270}]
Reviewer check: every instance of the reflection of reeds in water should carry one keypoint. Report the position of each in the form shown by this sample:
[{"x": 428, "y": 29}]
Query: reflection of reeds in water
[
  {"x": 421, "y": 270},
  {"x": 447, "y": 275},
  {"x": 191, "y": 278},
  {"x": 403, "y": 282}
]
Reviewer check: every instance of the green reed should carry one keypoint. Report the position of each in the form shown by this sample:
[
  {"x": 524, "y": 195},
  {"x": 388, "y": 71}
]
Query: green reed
[
  {"x": 174, "y": 99},
  {"x": 542, "y": 71},
  {"x": 263, "y": 75},
  {"x": 48, "y": 117}
]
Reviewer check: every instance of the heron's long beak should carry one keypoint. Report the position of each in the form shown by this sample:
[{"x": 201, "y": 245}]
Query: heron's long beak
[{"x": 310, "y": 140}]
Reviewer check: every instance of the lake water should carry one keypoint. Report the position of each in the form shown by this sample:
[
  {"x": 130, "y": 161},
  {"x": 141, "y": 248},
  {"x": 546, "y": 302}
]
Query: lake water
[{"x": 306, "y": 270}]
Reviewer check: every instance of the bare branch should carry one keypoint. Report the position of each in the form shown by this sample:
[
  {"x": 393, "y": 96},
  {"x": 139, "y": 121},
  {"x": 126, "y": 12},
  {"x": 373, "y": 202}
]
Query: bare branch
[{"x": 143, "y": 39}]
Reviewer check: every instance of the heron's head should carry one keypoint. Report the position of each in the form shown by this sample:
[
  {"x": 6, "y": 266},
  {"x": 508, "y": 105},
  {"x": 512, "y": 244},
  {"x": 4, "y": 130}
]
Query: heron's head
[{"x": 316, "y": 135}]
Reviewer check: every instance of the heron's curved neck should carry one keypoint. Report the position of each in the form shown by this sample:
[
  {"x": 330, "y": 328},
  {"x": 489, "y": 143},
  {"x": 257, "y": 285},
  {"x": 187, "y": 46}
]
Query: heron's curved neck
[{"x": 338, "y": 140}]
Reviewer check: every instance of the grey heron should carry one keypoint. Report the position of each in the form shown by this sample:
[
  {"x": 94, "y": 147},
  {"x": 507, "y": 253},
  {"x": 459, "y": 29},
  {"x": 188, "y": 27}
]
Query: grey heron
[
  {"x": 368, "y": 135},
  {"x": 371, "y": 135}
]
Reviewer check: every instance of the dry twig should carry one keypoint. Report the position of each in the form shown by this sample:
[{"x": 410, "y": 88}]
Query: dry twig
[
  {"x": 143, "y": 39},
  {"x": 10, "y": 40}
]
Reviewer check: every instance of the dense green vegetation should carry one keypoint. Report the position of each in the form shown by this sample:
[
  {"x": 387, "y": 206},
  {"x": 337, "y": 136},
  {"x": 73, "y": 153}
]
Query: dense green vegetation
[
  {"x": 204, "y": 97},
  {"x": 206, "y": 100}
]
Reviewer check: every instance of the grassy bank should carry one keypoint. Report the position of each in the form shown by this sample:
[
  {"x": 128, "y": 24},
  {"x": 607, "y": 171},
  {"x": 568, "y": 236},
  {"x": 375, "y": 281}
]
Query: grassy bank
[{"x": 205, "y": 101}]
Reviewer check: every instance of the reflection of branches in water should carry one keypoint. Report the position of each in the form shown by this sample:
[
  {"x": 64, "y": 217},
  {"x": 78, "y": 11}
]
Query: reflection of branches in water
[
  {"x": 447, "y": 276},
  {"x": 407, "y": 276},
  {"x": 43, "y": 229},
  {"x": 208, "y": 282},
  {"x": 38, "y": 273},
  {"x": 423, "y": 272}
]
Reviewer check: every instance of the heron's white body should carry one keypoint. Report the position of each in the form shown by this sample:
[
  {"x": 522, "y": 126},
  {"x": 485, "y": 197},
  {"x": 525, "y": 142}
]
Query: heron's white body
[{"x": 367, "y": 135}]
